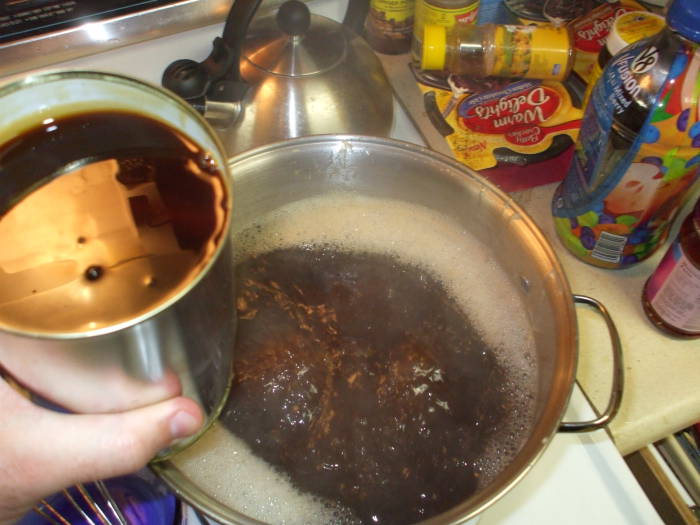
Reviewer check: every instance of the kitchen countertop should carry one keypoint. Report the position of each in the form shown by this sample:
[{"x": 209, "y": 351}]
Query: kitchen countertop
[{"x": 662, "y": 373}]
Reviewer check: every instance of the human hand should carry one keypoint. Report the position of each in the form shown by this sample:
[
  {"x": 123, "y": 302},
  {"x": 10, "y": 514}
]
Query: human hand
[{"x": 42, "y": 451}]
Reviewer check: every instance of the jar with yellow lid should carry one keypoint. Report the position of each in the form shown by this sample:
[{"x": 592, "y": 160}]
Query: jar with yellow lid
[
  {"x": 508, "y": 51},
  {"x": 446, "y": 13}
]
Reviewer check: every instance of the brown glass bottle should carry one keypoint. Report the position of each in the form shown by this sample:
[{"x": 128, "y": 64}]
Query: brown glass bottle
[
  {"x": 671, "y": 296},
  {"x": 389, "y": 26}
]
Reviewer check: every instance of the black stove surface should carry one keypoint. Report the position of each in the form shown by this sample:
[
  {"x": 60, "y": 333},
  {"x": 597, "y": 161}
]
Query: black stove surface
[{"x": 25, "y": 18}]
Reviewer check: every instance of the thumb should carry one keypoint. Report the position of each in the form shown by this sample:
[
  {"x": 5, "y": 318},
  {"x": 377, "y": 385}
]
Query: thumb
[
  {"x": 108, "y": 445},
  {"x": 42, "y": 451}
]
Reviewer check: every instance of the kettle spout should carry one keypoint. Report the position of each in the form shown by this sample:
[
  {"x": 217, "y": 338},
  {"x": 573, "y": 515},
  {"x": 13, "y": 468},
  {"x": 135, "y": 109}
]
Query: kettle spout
[
  {"x": 222, "y": 114},
  {"x": 224, "y": 102}
]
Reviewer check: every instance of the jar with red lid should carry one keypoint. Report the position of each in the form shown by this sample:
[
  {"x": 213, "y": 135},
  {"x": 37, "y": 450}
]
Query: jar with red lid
[{"x": 671, "y": 296}]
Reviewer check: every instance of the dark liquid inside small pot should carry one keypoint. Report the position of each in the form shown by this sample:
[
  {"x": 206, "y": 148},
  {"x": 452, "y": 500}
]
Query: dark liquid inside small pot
[
  {"x": 105, "y": 215},
  {"x": 361, "y": 378}
]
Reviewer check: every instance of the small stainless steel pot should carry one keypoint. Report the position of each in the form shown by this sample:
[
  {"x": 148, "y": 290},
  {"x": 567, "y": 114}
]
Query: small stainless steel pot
[
  {"x": 180, "y": 342},
  {"x": 272, "y": 176}
]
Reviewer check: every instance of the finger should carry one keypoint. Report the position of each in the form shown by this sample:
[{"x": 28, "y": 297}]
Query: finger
[
  {"x": 43, "y": 451},
  {"x": 76, "y": 386}
]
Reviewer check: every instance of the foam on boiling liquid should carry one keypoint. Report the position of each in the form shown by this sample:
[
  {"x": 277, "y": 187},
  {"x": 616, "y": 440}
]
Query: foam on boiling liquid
[
  {"x": 225, "y": 468},
  {"x": 223, "y": 465}
]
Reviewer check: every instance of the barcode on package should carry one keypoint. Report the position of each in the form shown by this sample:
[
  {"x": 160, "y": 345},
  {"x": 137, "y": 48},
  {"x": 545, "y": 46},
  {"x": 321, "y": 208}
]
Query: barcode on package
[{"x": 609, "y": 247}]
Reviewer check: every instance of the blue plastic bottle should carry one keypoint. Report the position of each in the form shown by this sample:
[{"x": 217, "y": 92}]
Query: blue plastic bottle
[{"x": 638, "y": 150}]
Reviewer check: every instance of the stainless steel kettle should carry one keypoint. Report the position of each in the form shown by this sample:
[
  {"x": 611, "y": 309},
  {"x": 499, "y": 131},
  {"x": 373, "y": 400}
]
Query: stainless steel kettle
[{"x": 285, "y": 75}]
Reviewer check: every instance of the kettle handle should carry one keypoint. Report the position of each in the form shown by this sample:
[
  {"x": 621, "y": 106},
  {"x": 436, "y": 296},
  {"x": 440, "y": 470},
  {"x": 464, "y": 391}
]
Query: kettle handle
[
  {"x": 217, "y": 77},
  {"x": 235, "y": 29},
  {"x": 355, "y": 15}
]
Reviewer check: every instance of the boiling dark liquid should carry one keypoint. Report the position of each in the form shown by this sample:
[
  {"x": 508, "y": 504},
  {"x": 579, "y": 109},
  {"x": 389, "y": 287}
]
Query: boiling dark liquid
[
  {"x": 362, "y": 379},
  {"x": 104, "y": 216}
]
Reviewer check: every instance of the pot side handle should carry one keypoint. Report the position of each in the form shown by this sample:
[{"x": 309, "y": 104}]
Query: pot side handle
[{"x": 618, "y": 373}]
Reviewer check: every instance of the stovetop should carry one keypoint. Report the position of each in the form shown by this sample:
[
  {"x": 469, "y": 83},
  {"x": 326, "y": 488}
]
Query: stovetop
[
  {"x": 38, "y": 33},
  {"x": 24, "y": 18}
]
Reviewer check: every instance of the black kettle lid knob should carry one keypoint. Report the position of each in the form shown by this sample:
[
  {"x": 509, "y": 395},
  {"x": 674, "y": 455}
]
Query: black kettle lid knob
[
  {"x": 187, "y": 78},
  {"x": 293, "y": 17}
]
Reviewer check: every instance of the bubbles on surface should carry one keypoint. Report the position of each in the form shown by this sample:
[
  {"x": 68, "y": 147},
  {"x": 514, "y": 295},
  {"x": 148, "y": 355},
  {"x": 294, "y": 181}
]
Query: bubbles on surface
[
  {"x": 344, "y": 222},
  {"x": 416, "y": 235},
  {"x": 232, "y": 475}
]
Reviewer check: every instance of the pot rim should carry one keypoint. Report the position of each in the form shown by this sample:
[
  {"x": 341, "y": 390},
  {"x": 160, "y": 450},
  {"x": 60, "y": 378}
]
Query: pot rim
[{"x": 551, "y": 417}]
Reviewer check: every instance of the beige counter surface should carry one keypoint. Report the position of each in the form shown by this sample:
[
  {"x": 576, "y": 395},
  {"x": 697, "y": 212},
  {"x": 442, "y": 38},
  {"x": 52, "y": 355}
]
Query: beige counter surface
[{"x": 662, "y": 373}]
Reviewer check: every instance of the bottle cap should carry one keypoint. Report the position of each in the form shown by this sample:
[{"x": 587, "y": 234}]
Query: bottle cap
[
  {"x": 434, "y": 47},
  {"x": 632, "y": 26},
  {"x": 683, "y": 17}
]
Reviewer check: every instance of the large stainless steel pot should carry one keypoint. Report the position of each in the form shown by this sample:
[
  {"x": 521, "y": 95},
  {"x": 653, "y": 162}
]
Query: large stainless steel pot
[{"x": 274, "y": 175}]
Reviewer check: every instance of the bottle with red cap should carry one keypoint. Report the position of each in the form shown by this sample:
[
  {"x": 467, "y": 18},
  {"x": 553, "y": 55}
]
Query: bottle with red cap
[{"x": 671, "y": 296}]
